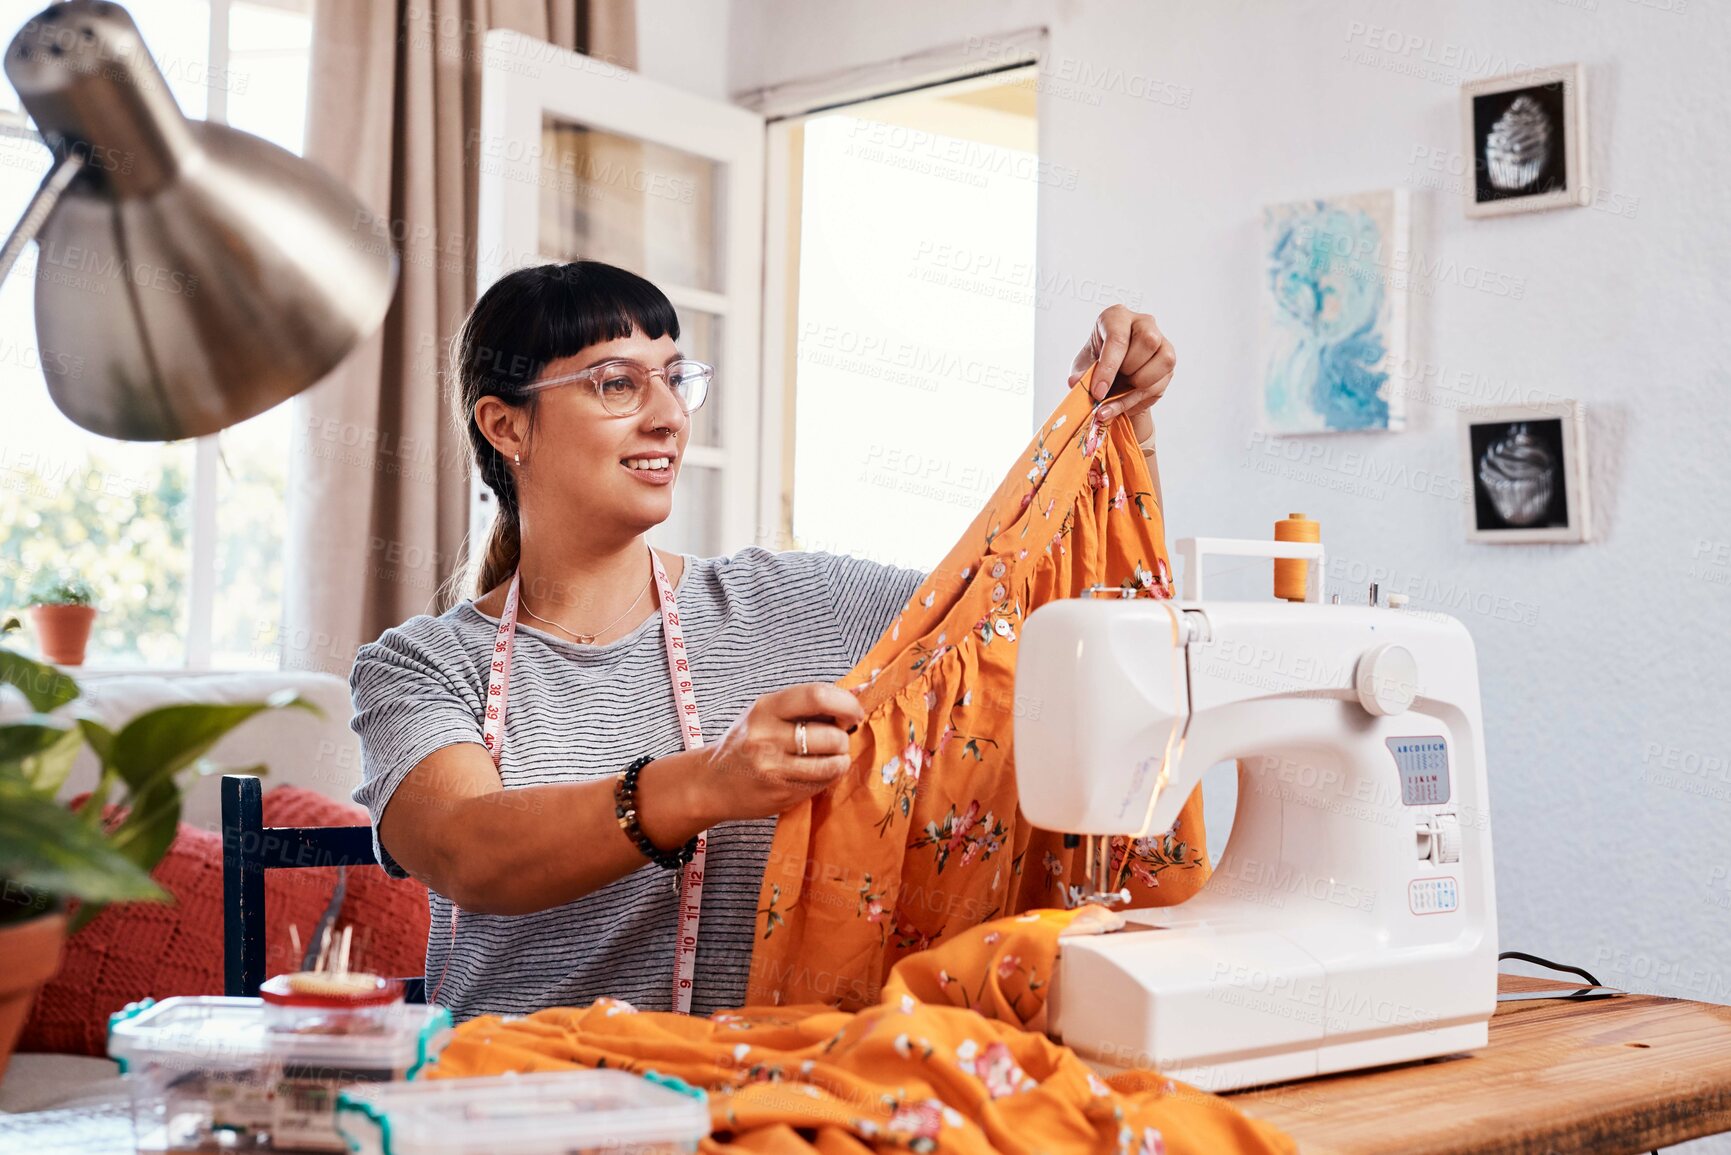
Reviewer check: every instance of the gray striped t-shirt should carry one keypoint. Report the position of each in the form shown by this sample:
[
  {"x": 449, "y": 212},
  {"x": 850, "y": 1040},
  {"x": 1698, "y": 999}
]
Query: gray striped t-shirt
[{"x": 754, "y": 622}]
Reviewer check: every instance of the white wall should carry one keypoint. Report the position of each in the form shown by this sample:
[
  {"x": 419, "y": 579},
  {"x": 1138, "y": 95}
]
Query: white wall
[
  {"x": 684, "y": 43},
  {"x": 1601, "y": 663}
]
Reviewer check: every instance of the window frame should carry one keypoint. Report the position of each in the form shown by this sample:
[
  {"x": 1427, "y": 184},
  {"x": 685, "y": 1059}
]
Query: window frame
[
  {"x": 201, "y": 578},
  {"x": 785, "y": 109}
]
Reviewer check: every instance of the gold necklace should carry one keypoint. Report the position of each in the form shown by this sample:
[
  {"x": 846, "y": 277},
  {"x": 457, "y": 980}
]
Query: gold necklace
[{"x": 588, "y": 639}]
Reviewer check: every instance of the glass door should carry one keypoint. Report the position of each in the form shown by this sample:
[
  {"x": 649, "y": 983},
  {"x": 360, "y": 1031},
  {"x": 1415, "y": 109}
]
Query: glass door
[{"x": 582, "y": 159}]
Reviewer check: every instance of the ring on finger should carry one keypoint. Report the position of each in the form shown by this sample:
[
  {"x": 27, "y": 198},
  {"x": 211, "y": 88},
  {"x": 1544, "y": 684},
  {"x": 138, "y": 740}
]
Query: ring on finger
[{"x": 799, "y": 737}]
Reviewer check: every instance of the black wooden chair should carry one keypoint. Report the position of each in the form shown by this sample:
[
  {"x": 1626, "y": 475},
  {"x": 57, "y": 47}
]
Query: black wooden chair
[{"x": 249, "y": 848}]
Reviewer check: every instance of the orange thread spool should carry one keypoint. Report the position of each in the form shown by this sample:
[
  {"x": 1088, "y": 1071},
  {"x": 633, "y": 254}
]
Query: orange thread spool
[{"x": 1291, "y": 574}]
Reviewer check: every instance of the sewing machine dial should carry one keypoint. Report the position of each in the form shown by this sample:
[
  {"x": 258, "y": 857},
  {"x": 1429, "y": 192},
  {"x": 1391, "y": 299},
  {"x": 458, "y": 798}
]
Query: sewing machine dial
[
  {"x": 1439, "y": 839},
  {"x": 1387, "y": 680},
  {"x": 1447, "y": 839}
]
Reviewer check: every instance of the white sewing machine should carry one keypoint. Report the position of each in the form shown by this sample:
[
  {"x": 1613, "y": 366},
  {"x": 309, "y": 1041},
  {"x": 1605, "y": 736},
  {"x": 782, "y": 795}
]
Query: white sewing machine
[{"x": 1352, "y": 919}]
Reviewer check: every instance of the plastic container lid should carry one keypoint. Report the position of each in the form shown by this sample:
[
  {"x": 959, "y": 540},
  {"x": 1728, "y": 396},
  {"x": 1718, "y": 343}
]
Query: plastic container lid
[
  {"x": 379, "y": 992},
  {"x": 229, "y": 1034},
  {"x": 549, "y": 1113}
]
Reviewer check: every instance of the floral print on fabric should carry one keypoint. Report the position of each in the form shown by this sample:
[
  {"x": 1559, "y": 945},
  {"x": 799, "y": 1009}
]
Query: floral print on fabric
[
  {"x": 922, "y": 838},
  {"x": 950, "y": 1059}
]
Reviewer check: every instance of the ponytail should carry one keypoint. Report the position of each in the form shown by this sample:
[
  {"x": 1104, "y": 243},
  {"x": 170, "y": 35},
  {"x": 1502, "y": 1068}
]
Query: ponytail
[{"x": 504, "y": 549}]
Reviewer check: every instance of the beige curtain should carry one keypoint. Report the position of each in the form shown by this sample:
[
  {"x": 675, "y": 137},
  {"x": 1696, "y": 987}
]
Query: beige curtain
[{"x": 378, "y": 488}]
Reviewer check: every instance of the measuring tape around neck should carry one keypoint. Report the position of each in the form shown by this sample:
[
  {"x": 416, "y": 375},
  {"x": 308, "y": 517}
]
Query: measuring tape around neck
[{"x": 690, "y": 886}]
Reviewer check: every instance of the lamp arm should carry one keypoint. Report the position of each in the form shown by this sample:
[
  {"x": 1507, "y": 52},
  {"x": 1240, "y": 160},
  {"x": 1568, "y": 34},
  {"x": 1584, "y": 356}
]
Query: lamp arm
[{"x": 36, "y": 213}]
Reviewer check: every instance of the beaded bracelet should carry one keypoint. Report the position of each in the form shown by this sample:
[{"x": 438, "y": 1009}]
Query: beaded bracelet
[{"x": 625, "y": 810}]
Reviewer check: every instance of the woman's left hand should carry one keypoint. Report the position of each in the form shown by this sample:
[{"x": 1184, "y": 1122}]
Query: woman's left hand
[{"x": 1135, "y": 359}]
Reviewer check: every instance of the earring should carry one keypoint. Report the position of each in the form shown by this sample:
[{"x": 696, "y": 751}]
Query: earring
[{"x": 517, "y": 458}]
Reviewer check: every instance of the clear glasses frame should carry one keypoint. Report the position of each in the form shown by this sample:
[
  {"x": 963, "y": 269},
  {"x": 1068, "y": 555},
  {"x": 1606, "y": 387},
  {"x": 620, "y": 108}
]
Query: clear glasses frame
[{"x": 623, "y": 385}]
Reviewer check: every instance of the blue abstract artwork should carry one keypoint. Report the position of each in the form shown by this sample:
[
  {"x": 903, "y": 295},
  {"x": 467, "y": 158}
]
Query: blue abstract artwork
[{"x": 1334, "y": 313}]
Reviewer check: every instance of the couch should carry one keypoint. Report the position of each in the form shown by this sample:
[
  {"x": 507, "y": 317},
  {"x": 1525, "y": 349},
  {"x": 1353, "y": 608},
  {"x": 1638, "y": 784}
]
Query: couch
[{"x": 300, "y": 748}]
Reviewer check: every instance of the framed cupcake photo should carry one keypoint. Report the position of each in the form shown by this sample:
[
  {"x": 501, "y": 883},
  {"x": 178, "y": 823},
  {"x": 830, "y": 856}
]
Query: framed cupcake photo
[
  {"x": 1526, "y": 134},
  {"x": 1528, "y": 468}
]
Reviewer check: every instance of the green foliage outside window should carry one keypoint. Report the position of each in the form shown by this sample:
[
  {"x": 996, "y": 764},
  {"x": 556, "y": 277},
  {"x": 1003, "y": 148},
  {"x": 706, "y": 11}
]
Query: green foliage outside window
[{"x": 126, "y": 535}]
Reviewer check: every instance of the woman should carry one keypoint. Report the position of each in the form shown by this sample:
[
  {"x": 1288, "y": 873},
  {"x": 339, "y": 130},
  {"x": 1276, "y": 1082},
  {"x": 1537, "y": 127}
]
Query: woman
[{"x": 522, "y": 752}]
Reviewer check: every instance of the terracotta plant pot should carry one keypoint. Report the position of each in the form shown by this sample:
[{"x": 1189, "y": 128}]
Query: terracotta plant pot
[
  {"x": 29, "y": 956},
  {"x": 63, "y": 632}
]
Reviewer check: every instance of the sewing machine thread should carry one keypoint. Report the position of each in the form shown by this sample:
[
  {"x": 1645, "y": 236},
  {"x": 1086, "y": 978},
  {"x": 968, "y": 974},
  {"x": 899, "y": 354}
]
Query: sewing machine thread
[{"x": 1291, "y": 575}]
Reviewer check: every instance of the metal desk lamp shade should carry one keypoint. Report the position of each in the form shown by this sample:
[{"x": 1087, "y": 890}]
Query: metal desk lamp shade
[{"x": 189, "y": 275}]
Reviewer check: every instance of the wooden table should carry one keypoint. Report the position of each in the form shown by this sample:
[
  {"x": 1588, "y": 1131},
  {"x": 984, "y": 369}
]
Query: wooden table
[{"x": 1626, "y": 1074}]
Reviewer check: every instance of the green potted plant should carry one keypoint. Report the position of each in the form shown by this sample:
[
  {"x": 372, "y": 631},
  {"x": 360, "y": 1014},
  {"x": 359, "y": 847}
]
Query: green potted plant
[
  {"x": 62, "y": 607},
  {"x": 59, "y": 867}
]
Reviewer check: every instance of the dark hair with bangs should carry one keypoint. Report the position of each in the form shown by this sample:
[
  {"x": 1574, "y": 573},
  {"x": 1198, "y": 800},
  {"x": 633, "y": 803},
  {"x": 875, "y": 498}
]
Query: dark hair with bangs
[{"x": 525, "y": 320}]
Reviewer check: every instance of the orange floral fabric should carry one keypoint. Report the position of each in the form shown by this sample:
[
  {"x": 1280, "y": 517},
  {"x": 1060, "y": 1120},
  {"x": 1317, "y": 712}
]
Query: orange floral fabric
[
  {"x": 922, "y": 838},
  {"x": 951, "y": 1060},
  {"x": 912, "y": 999}
]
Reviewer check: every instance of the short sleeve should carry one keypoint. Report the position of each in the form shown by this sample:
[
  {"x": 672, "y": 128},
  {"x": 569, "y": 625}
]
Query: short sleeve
[
  {"x": 407, "y": 704},
  {"x": 865, "y": 597}
]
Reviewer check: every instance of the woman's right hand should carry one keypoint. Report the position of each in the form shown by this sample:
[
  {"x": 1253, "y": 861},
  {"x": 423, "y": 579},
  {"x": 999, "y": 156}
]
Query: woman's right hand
[
  {"x": 490, "y": 850},
  {"x": 755, "y": 769}
]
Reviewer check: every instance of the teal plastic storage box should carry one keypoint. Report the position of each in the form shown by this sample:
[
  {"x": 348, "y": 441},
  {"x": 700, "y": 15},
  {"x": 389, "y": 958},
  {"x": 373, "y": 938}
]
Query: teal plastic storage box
[
  {"x": 549, "y": 1113},
  {"x": 207, "y": 1073}
]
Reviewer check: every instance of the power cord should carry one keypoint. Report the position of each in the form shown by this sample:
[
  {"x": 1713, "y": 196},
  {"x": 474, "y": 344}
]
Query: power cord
[
  {"x": 1523, "y": 956},
  {"x": 1581, "y": 994},
  {"x": 1596, "y": 991}
]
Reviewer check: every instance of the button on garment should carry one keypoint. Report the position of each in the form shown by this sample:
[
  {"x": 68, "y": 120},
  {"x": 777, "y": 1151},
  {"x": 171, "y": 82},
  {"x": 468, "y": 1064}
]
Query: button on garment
[{"x": 922, "y": 837}]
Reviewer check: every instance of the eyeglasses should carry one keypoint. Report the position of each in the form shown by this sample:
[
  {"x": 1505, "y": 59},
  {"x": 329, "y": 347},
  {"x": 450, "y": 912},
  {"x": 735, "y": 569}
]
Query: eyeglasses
[{"x": 623, "y": 385}]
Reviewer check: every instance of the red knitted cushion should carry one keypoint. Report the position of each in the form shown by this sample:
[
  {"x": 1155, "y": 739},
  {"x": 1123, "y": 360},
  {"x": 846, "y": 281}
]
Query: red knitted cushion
[
  {"x": 389, "y": 914},
  {"x": 141, "y": 949}
]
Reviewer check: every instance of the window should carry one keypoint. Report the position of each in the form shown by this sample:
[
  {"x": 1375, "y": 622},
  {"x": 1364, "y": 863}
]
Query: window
[
  {"x": 909, "y": 321},
  {"x": 182, "y": 541}
]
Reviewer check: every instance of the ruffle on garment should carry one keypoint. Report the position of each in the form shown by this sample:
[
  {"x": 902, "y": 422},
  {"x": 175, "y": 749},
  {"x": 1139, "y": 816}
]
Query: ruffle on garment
[
  {"x": 920, "y": 855},
  {"x": 923, "y": 837}
]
